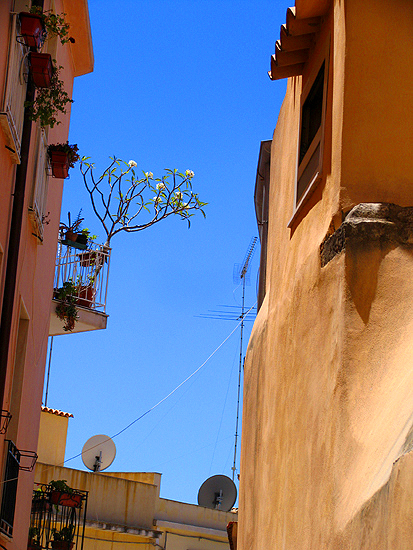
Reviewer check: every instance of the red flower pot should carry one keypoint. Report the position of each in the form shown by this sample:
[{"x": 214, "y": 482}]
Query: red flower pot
[
  {"x": 95, "y": 258},
  {"x": 60, "y": 164},
  {"x": 31, "y": 28},
  {"x": 62, "y": 545},
  {"x": 86, "y": 296},
  {"x": 41, "y": 69},
  {"x": 65, "y": 499}
]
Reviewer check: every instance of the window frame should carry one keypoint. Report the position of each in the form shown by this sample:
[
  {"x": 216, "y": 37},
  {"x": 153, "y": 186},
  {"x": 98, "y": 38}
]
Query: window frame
[{"x": 323, "y": 57}]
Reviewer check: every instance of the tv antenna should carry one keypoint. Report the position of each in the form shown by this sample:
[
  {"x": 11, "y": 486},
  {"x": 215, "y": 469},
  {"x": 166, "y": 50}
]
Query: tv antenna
[
  {"x": 98, "y": 453},
  {"x": 241, "y": 274}
]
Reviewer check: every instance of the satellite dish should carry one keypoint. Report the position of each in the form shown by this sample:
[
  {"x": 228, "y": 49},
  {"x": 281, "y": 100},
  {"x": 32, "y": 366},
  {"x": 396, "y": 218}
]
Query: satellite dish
[
  {"x": 218, "y": 492},
  {"x": 98, "y": 453}
]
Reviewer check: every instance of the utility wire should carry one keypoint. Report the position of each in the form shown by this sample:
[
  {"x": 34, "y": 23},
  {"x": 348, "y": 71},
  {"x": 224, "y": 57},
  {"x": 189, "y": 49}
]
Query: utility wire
[
  {"x": 169, "y": 394},
  {"x": 149, "y": 410}
]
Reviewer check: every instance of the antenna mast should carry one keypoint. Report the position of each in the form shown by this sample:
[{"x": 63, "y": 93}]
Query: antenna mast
[{"x": 242, "y": 276}]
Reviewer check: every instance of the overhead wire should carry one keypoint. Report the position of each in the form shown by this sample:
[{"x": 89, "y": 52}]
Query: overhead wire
[{"x": 151, "y": 408}]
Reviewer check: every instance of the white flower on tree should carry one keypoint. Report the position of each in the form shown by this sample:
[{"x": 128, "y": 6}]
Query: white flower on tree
[{"x": 118, "y": 196}]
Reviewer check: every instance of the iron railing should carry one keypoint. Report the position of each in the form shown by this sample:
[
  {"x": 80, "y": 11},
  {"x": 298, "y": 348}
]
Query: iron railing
[
  {"x": 57, "y": 519},
  {"x": 88, "y": 270},
  {"x": 8, "y": 501}
]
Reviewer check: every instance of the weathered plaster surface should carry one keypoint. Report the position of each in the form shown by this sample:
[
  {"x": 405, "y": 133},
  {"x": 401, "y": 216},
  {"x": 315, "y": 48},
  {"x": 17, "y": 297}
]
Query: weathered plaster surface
[{"x": 328, "y": 398}]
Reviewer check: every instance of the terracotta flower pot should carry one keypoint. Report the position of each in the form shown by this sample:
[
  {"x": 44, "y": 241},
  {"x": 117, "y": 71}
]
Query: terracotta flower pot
[
  {"x": 41, "y": 69},
  {"x": 65, "y": 499},
  {"x": 86, "y": 296},
  {"x": 59, "y": 163},
  {"x": 31, "y": 28},
  {"x": 62, "y": 545},
  {"x": 95, "y": 258}
]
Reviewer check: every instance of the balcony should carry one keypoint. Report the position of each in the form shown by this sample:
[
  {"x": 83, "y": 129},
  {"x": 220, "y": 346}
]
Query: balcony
[
  {"x": 57, "y": 518},
  {"x": 88, "y": 271}
]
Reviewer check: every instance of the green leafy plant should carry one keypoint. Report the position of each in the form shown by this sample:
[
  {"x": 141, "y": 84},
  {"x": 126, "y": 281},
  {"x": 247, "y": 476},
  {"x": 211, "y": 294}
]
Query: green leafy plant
[
  {"x": 66, "y": 310},
  {"x": 49, "y": 102},
  {"x": 70, "y": 227},
  {"x": 119, "y": 196},
  {"x": 60, "y": 485},
  {"x": 90, "y": 238},
  {"x": 34, "y": 536},
  {"x": 65, "y": 534},
  {"x": 70, "y": 150},
  {"x": 54, "y": 24}
]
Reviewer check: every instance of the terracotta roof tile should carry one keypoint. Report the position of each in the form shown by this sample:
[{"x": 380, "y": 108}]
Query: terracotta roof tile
[{"x": 56, "y": 412}]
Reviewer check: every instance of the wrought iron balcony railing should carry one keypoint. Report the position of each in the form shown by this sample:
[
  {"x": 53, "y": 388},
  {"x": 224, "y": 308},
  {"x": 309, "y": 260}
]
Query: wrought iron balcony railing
[{"x": 88, "y": 270}]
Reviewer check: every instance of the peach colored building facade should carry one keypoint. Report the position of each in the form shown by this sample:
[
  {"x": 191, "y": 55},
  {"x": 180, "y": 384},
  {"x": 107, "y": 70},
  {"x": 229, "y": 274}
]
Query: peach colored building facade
[
  {"x": 326, "y": 458},
  {"x": 29, "y": 197}
]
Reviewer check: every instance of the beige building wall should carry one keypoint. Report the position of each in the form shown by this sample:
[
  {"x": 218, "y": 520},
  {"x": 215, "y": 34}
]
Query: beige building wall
[
  {"x": 328, "y": 407},
  {"x": 124, "y": 508}
]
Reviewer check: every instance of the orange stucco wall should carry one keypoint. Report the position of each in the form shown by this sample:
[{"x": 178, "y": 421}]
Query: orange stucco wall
[{"x": 327, "y": 403}]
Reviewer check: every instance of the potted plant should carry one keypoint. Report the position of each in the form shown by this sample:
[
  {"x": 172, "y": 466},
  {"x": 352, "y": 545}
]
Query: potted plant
[
  {"x": 66, "y": 308},
  {"x": 86, "y": 295},
  {"x": 71, "y": 233},
  {"x": 63, "y": 495},
  {"x": 41, "y": 69},
  {"x": 34, "y": 539},
  {"x": 90, "y": 258},
  {"x": 32, "y": 29},
  {"x": 62, "y": 157},
  {"x": 49, "y": 101},
  {"x": 36, "y": 24},
  {"x": 63, "y": 538}
]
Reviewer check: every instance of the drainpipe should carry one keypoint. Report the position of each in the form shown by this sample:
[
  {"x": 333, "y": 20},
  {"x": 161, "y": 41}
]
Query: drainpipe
[{"x": 14, "y": 240}]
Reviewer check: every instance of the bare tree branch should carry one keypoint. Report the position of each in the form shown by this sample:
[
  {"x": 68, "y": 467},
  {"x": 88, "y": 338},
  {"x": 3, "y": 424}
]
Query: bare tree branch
[{"x": 175, "y": 197}]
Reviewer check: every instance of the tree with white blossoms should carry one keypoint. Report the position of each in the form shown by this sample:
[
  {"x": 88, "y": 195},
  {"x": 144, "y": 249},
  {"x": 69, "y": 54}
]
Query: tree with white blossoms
[{"x": 119, "y": 196}]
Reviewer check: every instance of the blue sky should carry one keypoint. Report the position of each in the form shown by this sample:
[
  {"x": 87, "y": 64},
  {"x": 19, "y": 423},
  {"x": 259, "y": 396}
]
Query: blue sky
[{"x": 182, "y": 85}]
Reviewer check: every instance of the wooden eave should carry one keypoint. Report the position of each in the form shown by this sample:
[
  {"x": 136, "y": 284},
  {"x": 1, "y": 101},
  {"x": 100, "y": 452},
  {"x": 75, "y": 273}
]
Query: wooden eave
[
  {"x": 77, "y": 15},
  {"x": 297, "y": 37}
]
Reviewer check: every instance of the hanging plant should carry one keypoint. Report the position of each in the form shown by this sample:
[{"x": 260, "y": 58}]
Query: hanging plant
[
  {"x": 53, "y": 23},
  {"x": 49, "y": 102},
  {"x": 66, "y": 309},
  {"x": 62, "y": 157}
]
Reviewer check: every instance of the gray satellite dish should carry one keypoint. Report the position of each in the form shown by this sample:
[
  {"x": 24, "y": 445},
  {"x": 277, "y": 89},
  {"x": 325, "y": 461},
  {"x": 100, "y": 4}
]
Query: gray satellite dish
[
  {"x": 98, "y": 453},
  {"x": 218, "y": 492}
]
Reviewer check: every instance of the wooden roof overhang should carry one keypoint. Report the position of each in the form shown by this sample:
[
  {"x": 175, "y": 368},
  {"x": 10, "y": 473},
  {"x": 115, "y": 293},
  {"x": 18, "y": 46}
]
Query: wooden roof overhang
[{"x": 297, "y": 36}]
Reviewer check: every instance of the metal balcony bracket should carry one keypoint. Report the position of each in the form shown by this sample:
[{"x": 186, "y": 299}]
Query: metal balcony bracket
[
  {"x": 4, "y": 421},
  {"x": 29, "y": 458}
]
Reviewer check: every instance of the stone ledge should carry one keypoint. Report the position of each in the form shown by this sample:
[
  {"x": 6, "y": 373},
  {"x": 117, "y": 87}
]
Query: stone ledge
[{"x": 368, "y": 222}]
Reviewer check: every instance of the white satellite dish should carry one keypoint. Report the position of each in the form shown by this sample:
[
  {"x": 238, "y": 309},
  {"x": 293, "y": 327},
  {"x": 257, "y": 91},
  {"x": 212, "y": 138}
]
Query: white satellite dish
[
  {"x": 218, "y": 492},
  {"x": 98, "y": 453}
]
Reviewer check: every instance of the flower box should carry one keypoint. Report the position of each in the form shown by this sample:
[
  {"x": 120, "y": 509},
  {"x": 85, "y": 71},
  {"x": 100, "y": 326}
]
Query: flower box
[
  {"x": 32, "y": 29},
  {"x": 91, "y": 258},
  {"x": 73, "y": 500},
  {"x": 62, "y": 545},
  {"x": 86, "y": 296},
  {"x": 60, "y": 164},
  {"x": 41, "y": 69}
]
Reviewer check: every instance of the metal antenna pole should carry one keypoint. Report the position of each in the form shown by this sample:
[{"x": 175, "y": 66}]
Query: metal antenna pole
[
  {"x": 239, "y": 379},
  {"x": 243, "y": 274}
]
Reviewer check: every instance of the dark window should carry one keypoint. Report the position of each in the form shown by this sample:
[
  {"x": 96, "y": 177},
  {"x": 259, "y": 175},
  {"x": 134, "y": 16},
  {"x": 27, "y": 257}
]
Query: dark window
[
  {"x": 312, "y": 113},
  {"x": 8, "y": 502}
]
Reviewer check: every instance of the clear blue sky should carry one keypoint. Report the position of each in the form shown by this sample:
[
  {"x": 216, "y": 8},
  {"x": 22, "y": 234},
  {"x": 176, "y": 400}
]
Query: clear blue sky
[{"x": 184, "y": 85}]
